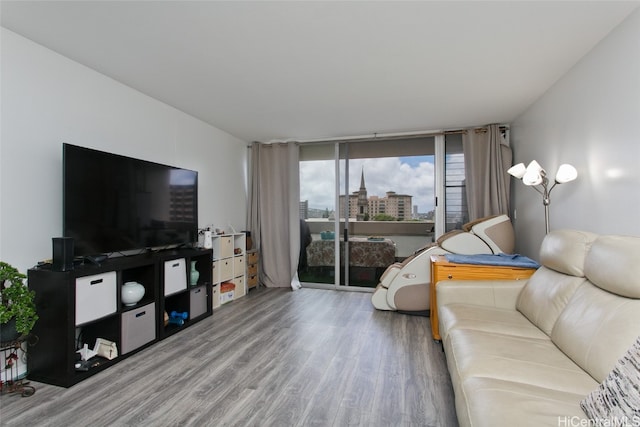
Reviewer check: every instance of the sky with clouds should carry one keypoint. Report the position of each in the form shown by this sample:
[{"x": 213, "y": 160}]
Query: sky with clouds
[{"x": 404, "y": 175}]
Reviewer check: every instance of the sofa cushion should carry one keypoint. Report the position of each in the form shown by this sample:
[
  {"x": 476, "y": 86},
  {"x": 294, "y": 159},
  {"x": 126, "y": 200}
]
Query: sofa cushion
[
  {"x": 596, "y": 328},
  {"x": 612, "y": 264},
  {"x": 618, "y": 397},
  {"x": 486, "y": 319},
  {"x": 545, "y": 295},
  {"x": 472, "y": 353},
  {"x": 491, "y": 402},
  {"x": 565, "y": 251}
]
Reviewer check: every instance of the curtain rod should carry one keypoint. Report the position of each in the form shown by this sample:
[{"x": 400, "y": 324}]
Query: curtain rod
[{"x": 389, "y": 136}]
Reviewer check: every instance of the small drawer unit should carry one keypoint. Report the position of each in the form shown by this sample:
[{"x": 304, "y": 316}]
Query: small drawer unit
[
  {"x": 175, "y": 276},
  {"x": 252, "y": 269},
  {"x": 96, "y": 297},
  {"x": 138, "y": 327},
  {"x": 198, "y": 301}
]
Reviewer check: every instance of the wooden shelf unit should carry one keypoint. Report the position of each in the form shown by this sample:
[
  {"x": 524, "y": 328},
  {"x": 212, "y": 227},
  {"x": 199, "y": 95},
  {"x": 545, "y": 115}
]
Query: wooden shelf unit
[{"x": 229, "y": 266}]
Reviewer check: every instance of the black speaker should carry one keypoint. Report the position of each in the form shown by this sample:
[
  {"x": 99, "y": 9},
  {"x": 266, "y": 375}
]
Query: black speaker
[{"x": 62, "y": 253}]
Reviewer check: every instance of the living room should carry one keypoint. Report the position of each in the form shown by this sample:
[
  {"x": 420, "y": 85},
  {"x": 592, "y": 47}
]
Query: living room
[{"x": 586, "y": 115}]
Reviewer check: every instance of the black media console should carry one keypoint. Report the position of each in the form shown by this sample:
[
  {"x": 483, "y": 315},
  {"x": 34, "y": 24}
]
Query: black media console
[{"x": 83, "y": 305}]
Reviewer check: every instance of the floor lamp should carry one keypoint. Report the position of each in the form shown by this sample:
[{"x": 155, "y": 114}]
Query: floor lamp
[{"x": 534, "y": 176}]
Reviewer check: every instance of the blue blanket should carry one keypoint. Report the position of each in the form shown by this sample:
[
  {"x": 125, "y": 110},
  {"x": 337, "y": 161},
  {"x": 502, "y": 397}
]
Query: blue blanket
[{"x": 507, "y": 260}]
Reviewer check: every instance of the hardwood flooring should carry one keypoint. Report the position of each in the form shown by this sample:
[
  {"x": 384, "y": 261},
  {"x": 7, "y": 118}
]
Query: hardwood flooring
[{"x": 273, "y": 358}]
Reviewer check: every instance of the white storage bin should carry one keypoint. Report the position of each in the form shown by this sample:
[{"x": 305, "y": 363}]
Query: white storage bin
[
  {"x": 175, "y": 276},
  {"x": 96, "y": 297},
  {"x": 226, "y": 297},
  {"x": 138, "y": 327}
]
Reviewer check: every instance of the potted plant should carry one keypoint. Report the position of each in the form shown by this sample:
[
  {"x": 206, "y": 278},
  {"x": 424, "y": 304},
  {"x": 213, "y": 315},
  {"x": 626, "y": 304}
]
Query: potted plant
[{"x": 16, "y": 303}]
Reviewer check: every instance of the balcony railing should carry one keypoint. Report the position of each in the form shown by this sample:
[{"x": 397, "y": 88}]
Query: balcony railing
[{"x": 405, "y": 237}]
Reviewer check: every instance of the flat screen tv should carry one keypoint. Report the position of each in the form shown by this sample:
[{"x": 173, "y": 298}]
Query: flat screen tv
[{"x": 114, "y": 204}]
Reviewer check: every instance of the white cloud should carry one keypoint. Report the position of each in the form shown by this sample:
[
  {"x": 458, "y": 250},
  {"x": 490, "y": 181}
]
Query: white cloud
[{"x": 317, "y": 180}]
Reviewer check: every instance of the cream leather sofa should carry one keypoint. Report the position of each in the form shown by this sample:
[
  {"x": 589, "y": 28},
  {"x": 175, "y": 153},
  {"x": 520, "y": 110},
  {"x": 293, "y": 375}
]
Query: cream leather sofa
[{"x": 525, "y": 353}]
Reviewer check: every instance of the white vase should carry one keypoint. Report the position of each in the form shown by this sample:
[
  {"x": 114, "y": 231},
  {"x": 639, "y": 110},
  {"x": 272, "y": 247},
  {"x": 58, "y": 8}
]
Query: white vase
[{"x": 131, "y": 293}]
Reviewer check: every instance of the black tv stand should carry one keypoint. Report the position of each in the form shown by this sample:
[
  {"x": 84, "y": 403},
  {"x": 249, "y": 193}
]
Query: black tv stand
[
  {"x": 78, "y": 306},
  {"x": 96, "y": 259}
]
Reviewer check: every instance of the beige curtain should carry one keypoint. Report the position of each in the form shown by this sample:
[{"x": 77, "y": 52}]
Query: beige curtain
[
  {"x": 274, "y": 212},
  {"x": 487, "y": 156}
]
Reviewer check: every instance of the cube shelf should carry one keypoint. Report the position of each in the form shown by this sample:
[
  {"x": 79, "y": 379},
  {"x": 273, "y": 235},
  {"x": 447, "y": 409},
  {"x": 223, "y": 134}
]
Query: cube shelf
[{"x": 80, "y": 306}]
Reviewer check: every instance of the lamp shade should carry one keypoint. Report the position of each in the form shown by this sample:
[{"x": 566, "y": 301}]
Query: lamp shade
[
  {"x": 517, "y": 170},
  {"x": 534, "y": 174},
  {"x": 566, "y": 173},
  {"x": 534, "y": 167},
  {"x": 532, "y": 177}
]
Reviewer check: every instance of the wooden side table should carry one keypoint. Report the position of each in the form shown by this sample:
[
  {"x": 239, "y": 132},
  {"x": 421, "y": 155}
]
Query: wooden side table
[{"x": 441, "y": 269}]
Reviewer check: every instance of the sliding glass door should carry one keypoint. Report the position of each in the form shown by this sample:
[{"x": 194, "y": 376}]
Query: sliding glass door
[{"x": 365, "y": 205}]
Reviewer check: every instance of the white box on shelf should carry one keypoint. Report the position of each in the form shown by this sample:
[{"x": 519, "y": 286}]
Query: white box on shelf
[
  {"x": 96, "y": 297},
  {"x": 226, "y": 297},
  {"x": 175, "y": 276},
  {"x": 227, "y": 291}
]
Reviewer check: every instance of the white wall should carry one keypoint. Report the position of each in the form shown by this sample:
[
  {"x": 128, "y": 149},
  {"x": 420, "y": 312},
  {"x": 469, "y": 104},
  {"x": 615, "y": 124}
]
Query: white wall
[
  {"x": 48, "y": 99},
  {"x": 590, "y": 118}
]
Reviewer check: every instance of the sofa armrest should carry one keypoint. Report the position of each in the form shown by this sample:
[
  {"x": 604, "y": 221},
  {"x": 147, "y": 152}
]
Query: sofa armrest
[{"x": 488, "y": 293}]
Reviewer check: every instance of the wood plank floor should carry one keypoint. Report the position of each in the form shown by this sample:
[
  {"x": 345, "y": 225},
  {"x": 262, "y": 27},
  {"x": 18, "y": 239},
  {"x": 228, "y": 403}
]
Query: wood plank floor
[{"x": 273, "y": 358}]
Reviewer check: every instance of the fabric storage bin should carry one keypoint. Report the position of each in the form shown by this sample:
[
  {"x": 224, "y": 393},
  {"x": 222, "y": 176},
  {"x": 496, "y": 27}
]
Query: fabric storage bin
[
  {"x": 197, "y": 302},
  {"x": 215, "y": 275},
  {"x": 238, "y": 267},
  {"x": 96, "y": 297},
  {"x": 226, "y": 247},
  {"x": 175, "y": 276},
  {"x": 138, "y": 327},
  {"x": 226, "y": 269}
]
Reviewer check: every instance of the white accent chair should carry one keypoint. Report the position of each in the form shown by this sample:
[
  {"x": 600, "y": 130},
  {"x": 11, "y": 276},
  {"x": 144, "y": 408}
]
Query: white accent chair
[{"x": 404, "y": 286}]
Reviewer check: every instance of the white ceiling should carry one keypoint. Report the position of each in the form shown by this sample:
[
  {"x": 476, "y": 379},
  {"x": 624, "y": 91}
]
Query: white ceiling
[{"x": 303, "y": 70}]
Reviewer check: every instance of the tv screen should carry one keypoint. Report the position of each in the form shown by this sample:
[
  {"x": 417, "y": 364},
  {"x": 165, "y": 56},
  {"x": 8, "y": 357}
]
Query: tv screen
[{"x": 114, "y": 203}]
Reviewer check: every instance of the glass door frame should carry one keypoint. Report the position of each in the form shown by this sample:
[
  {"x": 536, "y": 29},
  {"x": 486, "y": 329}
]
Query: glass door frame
[{"x": 341, "y": 230}]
